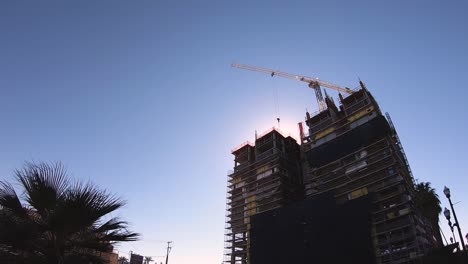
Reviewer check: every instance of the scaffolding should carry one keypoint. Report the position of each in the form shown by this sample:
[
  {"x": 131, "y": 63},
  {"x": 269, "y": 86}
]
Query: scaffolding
[
  {"x": 266, "y": 176},
  {"x": 353, "y": 151},
  {"x": 349, "y": 150}
]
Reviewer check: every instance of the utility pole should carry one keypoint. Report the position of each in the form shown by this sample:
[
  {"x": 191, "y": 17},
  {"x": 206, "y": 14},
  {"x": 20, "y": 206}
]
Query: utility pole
[{"x": 168, "y": 250}]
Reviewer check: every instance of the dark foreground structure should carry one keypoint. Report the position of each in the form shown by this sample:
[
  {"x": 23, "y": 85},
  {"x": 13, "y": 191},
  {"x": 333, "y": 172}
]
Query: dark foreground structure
[
  {"x": 314, "y": 231},
  {"x": 351, "y": 151},
  {"x": 136, "y": 259}
]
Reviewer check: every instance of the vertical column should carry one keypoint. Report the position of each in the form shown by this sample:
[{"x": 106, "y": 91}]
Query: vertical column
[
  {"x": 233, "y": 257},
  {"x": 283, "y": 145},
  {"x": 274, "y": 142},
  {"x": 247, "y": 248}
]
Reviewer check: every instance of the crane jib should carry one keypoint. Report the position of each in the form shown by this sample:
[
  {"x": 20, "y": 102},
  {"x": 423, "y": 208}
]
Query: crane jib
[{"x": 313, "y": 83}]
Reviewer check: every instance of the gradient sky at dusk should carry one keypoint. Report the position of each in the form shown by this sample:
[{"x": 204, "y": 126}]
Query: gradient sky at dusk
[{"x": 139, "y": 97}]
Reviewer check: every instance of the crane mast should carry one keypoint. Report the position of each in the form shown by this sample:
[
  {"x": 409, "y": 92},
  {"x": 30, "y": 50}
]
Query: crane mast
[{"x": 313, "y": 83}]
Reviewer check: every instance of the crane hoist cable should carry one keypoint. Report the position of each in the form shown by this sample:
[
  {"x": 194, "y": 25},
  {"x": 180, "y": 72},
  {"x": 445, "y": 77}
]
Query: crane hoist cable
[{"x": 277, "y": 112}]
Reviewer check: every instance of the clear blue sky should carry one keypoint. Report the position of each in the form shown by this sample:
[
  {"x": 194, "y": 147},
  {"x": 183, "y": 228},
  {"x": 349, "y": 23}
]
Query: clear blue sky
[{"x": 138, "y": 96}]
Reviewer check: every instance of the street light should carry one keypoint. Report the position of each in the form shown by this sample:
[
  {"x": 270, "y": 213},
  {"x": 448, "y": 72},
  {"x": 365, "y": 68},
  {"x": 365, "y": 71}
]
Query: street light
[
  {"x": 447, "y": 194},
  {"x": 447, "y": 215}
]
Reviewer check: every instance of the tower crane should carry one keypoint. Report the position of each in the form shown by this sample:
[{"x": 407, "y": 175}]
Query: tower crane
[{"x": 313, "y": 83}]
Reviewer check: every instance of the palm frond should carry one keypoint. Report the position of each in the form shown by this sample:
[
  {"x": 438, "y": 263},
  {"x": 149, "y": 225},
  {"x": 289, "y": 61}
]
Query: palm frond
[
  {"x": 44, "y": 184},
  {"x": 63, "y": 222},
  {"x": 9, "y": 199},
  {"x": 112, "y": 224},
  {"x": 18, "y": 230},
  {"x": 82, "y": 206},
  {"x": 427, "y": 200},
  {"x": 88, "y": 241},
  {"x": 121, "y": 236}
]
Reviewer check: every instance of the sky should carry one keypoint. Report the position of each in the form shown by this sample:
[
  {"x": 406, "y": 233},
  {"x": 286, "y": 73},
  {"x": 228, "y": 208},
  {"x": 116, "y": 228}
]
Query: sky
[{"x": 139, "y": 96}]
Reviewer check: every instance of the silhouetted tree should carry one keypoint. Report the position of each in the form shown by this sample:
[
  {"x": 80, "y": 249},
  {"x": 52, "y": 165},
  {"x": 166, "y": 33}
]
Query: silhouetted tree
[
  {"x": 148, "y": 260},
  {"x": 57, "y": 221},
  {"x": 428, "y": 203},
  {"x": 122, "y": 260}
]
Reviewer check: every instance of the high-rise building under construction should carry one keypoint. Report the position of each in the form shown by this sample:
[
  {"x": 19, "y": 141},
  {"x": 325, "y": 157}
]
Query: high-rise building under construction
[
  {"x": 353, "y": 151},
  {"x": 350, "y": 150},
  {"x": 266, "y": 176}
]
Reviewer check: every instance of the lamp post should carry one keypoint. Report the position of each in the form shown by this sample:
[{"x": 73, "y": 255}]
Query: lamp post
[
  {"x": 447, "y": 215},
  {"x": 447, "y": 194}
]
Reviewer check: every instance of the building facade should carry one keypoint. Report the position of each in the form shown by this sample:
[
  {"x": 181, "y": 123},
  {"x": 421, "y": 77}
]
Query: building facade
[
  {"x": 353, "y": 150},
  {"x": 266, "y": 176},
  {"x": 136, "y": 259}
]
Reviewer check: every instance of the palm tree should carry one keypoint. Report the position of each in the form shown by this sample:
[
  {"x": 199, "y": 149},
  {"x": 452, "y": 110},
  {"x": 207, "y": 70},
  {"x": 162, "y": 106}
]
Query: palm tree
[
  {"x": 148, "y": 260},
  {"x": 428, "y": 203},
  {"x": 122, "y": 260},
  {"x": 57, "y": 221}
]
